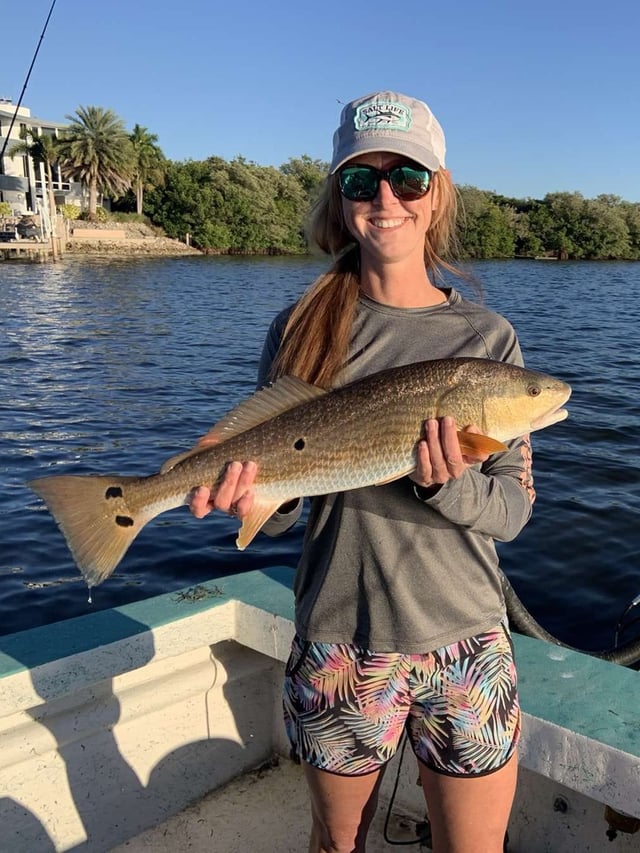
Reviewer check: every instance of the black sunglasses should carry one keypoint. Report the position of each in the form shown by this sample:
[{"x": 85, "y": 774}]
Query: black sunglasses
[{"x": 361, "y": 183}]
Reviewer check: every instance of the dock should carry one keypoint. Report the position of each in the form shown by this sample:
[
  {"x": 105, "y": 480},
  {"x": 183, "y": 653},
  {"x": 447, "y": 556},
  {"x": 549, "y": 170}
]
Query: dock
[
  {"x": 26, "y": 250},
  {"x": 24, "y": 239}
]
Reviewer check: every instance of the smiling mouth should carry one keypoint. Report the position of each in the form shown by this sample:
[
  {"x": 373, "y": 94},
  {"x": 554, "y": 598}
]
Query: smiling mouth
[{"x": 389, "y": 223}]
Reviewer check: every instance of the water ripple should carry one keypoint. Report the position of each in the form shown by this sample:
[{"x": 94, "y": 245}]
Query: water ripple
[{"x": 116, "y": 365}]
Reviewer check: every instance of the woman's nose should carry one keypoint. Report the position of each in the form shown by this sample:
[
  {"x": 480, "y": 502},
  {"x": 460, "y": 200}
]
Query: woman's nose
[{"x": 385, "y": 193}]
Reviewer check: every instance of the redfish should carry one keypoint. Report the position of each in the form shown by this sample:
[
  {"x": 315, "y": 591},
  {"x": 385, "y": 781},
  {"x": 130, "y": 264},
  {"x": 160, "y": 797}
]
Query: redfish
[{"x": 308, "y": 441}]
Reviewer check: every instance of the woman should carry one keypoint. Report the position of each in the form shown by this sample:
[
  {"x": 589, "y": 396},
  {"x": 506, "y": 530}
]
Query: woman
[{"x": 400, "y": 620}]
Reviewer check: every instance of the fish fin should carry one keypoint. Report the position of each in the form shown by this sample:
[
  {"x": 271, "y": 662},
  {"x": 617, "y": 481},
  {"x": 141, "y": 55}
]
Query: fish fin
[
  {"x": 94, "y": 518},
  {"x": 470, "y": 442},
  {"x": 286, "y": 393},
  {"x": 474, "y": 443},
  {"x": 180, "y": 457},
  {"x": 254, "y": 521}
]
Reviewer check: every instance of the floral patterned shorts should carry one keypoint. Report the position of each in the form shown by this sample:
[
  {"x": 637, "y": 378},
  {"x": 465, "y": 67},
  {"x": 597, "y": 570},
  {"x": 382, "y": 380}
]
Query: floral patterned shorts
[{"x": 346, "y": 707}]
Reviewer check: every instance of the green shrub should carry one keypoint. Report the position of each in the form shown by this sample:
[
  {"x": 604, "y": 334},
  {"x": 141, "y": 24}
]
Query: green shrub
[
  {"x": 100, "y": 215},
  {"x": 5, "y": 208},
  {"x": 70, "y": 211},
  {"x": 121, "y": 216}
]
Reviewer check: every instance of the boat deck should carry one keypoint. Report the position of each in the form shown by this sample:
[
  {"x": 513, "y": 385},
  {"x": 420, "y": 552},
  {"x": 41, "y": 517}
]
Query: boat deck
[
  {"x": 136, "y": 713},
  {"x": 264, "y": 811}
]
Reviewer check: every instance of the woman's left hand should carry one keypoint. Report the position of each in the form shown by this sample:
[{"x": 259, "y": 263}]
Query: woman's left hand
[
  {"x": 234, "y": 495},
  {"x": 440, "y": 458}
]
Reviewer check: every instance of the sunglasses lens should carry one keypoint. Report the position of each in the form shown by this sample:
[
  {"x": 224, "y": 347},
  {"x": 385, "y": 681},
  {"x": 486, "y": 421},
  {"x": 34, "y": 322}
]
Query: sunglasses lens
[
  {"x": 409, "y": 183},
  {"x": 359, "y": 183}
]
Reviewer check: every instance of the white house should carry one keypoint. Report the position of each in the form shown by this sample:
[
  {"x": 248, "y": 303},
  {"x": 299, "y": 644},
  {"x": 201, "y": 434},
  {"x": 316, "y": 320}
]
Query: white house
[{"x": 23, "y": 183}]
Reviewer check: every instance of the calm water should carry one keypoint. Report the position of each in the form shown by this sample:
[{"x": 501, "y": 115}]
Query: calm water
[{"x": 112, "y": 366}]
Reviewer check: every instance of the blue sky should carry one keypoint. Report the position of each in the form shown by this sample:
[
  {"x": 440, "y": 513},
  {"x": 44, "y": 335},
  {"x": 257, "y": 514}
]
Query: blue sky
[{"x": 534, "y": 97}]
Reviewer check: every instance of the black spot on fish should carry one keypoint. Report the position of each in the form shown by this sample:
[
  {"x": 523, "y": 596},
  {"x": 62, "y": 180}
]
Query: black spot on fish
[
  {"x": 113, "y": 492},
  {"x": 124, "y": 521},
  {"x": 300, "y": 443}
]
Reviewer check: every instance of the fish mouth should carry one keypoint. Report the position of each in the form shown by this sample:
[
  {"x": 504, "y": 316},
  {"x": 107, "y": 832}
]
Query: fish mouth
[
  {"x": 549, "y": 418},
  {"x": 561, "y": 392}
]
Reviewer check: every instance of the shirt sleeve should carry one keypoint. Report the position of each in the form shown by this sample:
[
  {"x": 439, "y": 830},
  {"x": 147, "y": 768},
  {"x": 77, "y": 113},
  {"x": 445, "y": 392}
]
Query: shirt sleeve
[
  {"x": 280, "y": 522},
  {"x": 494, "y": 499},
  {"x": 270, "y": 349}
]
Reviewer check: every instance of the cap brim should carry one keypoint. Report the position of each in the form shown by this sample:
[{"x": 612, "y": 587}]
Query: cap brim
[{"x": 421, "y": 156}]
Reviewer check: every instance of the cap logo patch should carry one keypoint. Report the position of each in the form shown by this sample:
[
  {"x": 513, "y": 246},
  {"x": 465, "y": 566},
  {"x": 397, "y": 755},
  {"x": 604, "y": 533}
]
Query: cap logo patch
[{"x": 382, "y": 115}]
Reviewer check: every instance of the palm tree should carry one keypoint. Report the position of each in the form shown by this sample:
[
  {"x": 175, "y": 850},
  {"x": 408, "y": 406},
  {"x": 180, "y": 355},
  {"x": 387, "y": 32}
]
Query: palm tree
[
  {"x": 41, "y": 148},
  {"x": 149, "y": 163},
  {"x": 96, "y": 150}
]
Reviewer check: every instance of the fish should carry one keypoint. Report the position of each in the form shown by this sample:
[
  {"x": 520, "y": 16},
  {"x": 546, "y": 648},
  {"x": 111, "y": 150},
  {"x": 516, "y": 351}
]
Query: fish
[{"x": 307, "y": 441}]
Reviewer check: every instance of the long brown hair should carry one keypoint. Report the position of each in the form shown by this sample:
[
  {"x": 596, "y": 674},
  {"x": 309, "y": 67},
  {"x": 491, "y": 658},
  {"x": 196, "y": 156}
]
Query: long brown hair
[{"x": 316, "y": 338}]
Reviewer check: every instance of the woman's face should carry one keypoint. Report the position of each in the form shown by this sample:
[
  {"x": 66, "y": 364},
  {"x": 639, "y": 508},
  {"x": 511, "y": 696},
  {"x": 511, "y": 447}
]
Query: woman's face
[{"x": 388, "y": 229}]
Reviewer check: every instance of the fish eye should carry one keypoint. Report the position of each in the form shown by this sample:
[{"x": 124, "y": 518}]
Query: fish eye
[{"x": 534, "y": 390}]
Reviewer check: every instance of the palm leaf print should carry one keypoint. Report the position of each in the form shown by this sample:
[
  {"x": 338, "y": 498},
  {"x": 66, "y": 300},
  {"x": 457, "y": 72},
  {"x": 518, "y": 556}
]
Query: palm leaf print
[
  {"x": 383, "y": 682},
  {"x": 321, "y": 739},
  {"x": 381, "y": 734},
  {"x": 331, "y": 670}
]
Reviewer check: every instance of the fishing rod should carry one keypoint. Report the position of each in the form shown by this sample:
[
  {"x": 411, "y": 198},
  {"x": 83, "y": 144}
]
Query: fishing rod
[
  {"x": 24, "y": 88},
  {"x": 523, "y": 622}
]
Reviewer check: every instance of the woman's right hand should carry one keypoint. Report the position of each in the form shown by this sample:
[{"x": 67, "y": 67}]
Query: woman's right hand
[
  {"x": 440, "y": 457},
  {"x": 234, "y": 494}
]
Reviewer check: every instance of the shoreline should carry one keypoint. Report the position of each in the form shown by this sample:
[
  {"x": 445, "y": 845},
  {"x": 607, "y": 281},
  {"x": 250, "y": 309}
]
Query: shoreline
[
  {"x": 124, "y": 239},
  {"x": 154, "y": 247},
  {"x": 136, "y": 239}
]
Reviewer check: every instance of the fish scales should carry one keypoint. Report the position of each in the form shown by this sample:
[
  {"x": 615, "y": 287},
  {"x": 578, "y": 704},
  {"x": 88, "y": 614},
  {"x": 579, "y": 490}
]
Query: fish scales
[
  {"x": 307, "y": 442},
  {"x": 350, "y": 439}
]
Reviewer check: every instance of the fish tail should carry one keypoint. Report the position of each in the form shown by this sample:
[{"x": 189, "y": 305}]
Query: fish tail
[{"x": 93, "y": 515}]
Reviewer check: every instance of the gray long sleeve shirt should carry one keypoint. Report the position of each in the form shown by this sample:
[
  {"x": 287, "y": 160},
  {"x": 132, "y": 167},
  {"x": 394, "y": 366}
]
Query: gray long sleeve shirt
[{"x": 380, "y": 568}]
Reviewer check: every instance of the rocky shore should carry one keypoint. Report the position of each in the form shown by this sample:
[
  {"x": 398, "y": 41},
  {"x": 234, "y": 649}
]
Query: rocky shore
[{"x": 116, "y": 238}]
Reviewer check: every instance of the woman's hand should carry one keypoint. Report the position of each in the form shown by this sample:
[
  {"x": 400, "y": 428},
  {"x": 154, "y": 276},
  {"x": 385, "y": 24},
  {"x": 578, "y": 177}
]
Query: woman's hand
[
  {"x": 439, "y": 456},
  {"x": 234, "y": 494}
]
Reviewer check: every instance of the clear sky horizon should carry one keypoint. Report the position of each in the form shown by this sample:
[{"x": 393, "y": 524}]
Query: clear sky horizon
[{"x": 533, "y": 97}]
